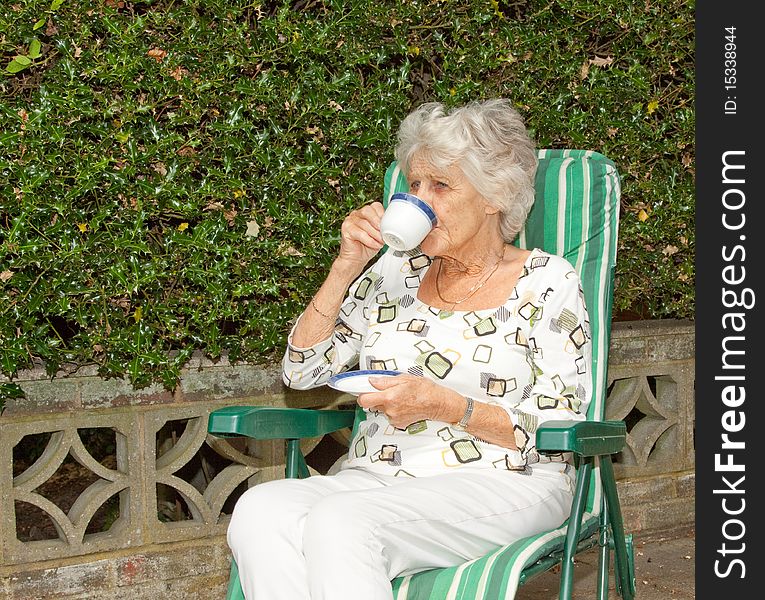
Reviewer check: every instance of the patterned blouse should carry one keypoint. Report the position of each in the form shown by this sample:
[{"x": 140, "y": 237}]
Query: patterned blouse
[{"x": 531, "y": 356}]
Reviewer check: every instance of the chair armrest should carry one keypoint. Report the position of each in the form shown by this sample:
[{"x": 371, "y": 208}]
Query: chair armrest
[
  {"x": 268, "y": 423},
  {"x": 586, "y": 438}
]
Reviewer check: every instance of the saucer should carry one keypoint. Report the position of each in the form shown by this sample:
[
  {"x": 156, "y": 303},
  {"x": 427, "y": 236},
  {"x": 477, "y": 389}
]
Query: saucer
[{"x": 357, "y": 382}]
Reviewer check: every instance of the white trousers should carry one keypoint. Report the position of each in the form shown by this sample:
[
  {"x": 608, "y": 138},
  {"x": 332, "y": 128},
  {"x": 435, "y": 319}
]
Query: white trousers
[{"x": 345, "y": 536}]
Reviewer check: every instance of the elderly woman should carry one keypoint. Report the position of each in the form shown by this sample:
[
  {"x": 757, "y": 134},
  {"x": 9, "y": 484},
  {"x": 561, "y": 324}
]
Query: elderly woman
[{"x": 491, "y": 341}]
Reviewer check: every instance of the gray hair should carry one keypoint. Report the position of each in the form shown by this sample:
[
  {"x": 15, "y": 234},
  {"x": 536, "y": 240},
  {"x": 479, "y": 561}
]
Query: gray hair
[{"x": 488, "y": 141}]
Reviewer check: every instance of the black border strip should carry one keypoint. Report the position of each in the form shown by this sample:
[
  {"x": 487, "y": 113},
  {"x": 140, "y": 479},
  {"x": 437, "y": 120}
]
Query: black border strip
[{"x": 729, "y": 396}]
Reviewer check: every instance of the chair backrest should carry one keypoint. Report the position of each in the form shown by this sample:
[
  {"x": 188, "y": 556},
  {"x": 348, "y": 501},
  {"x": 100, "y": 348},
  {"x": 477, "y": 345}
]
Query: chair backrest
[{"x": 575, "y": 215}]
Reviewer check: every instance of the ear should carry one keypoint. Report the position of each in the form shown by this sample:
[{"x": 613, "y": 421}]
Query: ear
[{"x": 489, "y": 208}]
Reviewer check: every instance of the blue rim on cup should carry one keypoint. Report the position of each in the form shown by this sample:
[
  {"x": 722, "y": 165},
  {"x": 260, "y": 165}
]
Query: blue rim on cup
[{"x": 419, "y": 203}]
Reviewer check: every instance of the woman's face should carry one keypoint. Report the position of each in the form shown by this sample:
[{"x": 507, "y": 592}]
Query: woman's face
[{"x": 465, "y": 219}]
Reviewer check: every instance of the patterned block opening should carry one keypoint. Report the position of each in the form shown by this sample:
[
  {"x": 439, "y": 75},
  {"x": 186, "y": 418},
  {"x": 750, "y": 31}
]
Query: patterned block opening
[
  {"x": 68, "y": 484},
  {"x": 649, "y": 406},
  {"x": 199, "y": 478}
]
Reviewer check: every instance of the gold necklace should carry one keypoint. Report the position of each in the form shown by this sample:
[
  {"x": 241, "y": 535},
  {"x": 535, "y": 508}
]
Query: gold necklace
[{"x": 472, "y": 290}]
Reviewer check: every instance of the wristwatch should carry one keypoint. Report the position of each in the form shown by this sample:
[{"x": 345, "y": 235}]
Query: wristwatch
[{"x": 463, "y": 422}]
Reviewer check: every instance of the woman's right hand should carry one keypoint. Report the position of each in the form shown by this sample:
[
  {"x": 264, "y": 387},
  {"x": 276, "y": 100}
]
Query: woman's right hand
[
  {"x": 360, "y": 240},
  {"x": 360, "y": 237}
]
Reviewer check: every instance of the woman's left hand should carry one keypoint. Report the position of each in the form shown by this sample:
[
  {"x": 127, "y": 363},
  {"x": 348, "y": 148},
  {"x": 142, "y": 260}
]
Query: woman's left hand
[{"x": 406, "y": 399}]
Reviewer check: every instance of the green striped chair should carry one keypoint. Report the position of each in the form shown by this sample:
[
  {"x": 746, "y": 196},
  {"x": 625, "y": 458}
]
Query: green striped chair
[{"x": 575, "y": 215}]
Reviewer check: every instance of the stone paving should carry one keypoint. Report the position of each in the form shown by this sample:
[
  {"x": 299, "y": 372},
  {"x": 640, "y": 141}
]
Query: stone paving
[{"x": 664, "y": 569}]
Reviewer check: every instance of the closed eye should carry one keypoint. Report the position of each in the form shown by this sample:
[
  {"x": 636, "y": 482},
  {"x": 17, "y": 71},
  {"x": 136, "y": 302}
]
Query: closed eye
[{"x": 414, "y": 186}]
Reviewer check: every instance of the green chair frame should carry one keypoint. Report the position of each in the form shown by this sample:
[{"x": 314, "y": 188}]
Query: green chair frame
[{"x": 575, "y": 215}]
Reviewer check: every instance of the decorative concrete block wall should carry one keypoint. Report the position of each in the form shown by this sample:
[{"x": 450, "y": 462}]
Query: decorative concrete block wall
[
  {"x": 148, "y": 514},
  {"x": 651, "y": 374}
]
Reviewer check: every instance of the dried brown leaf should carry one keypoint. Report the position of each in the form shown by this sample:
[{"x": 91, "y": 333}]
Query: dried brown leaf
[
  {"x": 253, "y": 229},
  {"x": 584, "y": 70},
  {"x": 291, "y": 251},
  {"x": 50, "y": 28},
  {"x": 186, "y": 151},
  {"x": 157, "y": 54},
  {"x": 178, "y": 73},
  {"x": 600, "y": 61},
  {"x": 230, "y": 215}
]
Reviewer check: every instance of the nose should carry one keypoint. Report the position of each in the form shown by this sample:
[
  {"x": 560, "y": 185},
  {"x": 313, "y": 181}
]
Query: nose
[
  {"x": 426, "y": 193},
  {"x": 431, "y": 199}
]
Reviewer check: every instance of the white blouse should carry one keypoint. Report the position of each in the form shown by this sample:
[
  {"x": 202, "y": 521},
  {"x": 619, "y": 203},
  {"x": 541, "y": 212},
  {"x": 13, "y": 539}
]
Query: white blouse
[{"x": 531, "y": 356}]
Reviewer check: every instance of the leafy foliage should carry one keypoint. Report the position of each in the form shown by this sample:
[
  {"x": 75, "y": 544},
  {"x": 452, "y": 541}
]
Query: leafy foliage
[{"x": 174, "y": 173}]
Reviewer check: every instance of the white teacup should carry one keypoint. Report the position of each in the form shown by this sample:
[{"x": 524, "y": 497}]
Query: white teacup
[{"x": 407, "y": 221}]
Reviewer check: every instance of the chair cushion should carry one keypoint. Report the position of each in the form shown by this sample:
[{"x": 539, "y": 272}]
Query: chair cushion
[{"x": 494, "y": 576}]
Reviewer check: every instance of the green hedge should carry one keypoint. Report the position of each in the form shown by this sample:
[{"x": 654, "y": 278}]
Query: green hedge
[{"x": 174, "y": 173}]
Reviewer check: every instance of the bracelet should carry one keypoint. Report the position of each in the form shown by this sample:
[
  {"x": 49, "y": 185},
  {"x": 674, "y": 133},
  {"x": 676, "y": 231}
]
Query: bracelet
[
  {"x": 316, "y": 308},
  {"x": 463, "y": 422}
]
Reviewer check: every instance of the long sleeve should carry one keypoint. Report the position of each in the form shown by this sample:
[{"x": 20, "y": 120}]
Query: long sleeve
[
  {"x": 558, "y": 342},
  {"x": 305, "y": 368}
]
